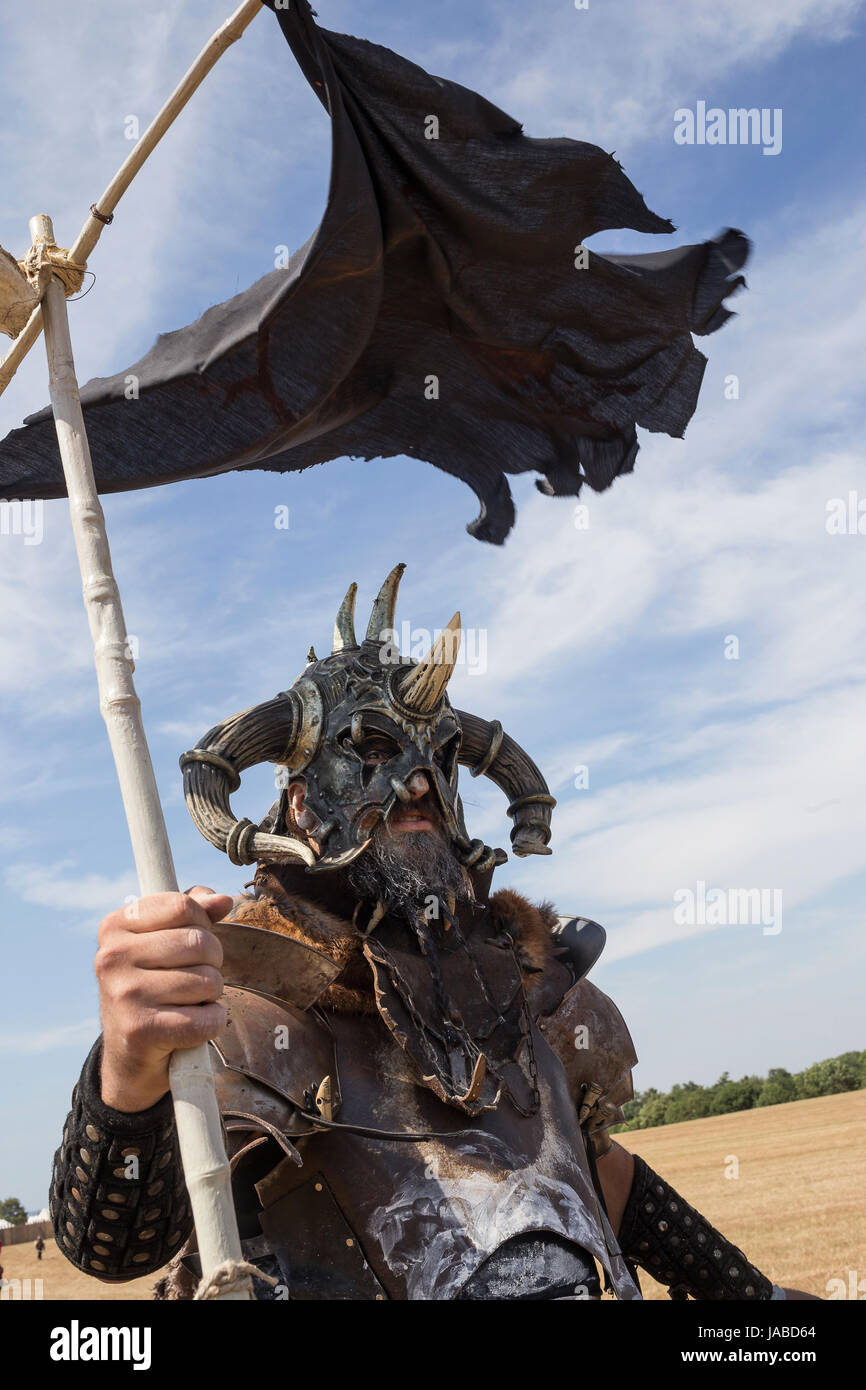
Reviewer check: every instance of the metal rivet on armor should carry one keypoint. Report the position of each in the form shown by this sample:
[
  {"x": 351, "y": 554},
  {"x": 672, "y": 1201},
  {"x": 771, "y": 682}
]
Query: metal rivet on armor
[
  {"x": 659, "y": 1189},
  {"x": 70, "y": 1228},
  {"x": 130, "y": 1153},
  {"x": 102, "y": 1250},
  {"x": 155, "y": 1187},
  {"x": 152, "y": 1214},
  {"x": 349, "y": 1241},
  {"x": 140, "y": 1259},
  {"x": 103, "y": 1235},
  {"x": 644, "y": 1245},
  {"x": 96, "y": 1264},
  {"x": 688, "y": 1221},
  {"x": 702, "y": 1240},
  {"x": 92, "y": 1133},
  {"x": 85, "y": 1156},
  {"x": 76, "y": 1194},
  {"x": 109, "y": 1214},
  {"x": 688, "y": 1259},
  {"x": 318, "y": 1187},
  {"x": 672, "y": 1206},
  {"x": 147, "y": 1235},
  {"x": 717, "y": 1254},
  {"x": 66, "y": 1136},
  {"x": 750, "y": 1289},
  {"x": 663, "y": 1225},
  {"x": 81, "y": 1175},
  {"x": 380, "y": 1298},
  {"x": 73, "y": 1206},
  {"x": 118, "y": 1172},
  {"x": 163, "y": 1162},
  {"x": 734, "y": 1272},
  {"x": 649, "y": 1208},
  {"x": 117, "y": 1198},
  {"x": 174, "y": 1238}
]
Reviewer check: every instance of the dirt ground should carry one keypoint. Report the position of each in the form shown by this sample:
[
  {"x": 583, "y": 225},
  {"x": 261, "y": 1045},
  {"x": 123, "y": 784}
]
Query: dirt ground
[{"x": 796, "y": 1205}]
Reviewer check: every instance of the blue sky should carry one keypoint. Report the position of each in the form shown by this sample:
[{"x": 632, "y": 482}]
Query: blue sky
[{"x": 605, "y": 645}]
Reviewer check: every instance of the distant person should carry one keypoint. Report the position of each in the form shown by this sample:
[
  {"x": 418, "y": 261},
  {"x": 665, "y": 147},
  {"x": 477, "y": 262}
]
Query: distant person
[{"x": 40, "y": 1246}]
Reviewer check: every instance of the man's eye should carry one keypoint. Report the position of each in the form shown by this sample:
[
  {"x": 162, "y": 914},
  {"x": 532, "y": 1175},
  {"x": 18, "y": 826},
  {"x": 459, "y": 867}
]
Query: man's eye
[{"x": 378, "y": 753}]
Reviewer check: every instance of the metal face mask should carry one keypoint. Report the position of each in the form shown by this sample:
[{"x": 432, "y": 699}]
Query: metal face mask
[
  {"x": 364, "y": 691},
  {"x": 316, "y": 732}
]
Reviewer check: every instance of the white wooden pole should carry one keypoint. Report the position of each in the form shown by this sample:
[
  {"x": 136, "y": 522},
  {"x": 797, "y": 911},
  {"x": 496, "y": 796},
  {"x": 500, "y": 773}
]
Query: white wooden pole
[
  {"x": 90, "y": 233},
  {"x": 205, "y": 1165}
]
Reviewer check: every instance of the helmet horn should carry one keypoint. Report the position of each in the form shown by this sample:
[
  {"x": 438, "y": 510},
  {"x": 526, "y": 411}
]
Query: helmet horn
[
  {"x": 487, "y": 751},
  {"x": 212, "y": 771},
  {"x": 424, "y": 685},
  {"x": 344, "y": 624},
  {"x": 382, "y": 616}
]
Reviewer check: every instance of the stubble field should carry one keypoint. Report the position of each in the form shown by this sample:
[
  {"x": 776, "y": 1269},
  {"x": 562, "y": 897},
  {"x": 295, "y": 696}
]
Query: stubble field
[{"x": 795, "y": 1207}]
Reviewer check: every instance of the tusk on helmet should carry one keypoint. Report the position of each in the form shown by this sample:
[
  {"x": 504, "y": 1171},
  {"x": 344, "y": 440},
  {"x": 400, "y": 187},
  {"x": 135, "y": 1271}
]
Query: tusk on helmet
[
  {"x": 382, "y": 616},
  {"x": 423, "y": 687},
  {"x": 344, "y": 624}
]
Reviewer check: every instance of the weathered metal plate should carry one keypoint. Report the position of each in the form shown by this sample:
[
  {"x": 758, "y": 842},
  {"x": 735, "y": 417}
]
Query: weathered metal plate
[
  {"x": 272, "y": 964},
  {"x": 275, "y": 1043}
]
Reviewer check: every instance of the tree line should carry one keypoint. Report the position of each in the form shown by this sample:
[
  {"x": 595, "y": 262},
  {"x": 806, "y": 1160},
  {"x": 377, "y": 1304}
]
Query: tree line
[{"x": 690, "y": 1101}]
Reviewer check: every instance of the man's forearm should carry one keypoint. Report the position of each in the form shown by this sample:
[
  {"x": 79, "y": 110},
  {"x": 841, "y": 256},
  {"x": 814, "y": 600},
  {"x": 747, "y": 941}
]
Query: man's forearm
[
  {"x": 118, "y": 1202},
  {"x": 659, "y": 1231}
]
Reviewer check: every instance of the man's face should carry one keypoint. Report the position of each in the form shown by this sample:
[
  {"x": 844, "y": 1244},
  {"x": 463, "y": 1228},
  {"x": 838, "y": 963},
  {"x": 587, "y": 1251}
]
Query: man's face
[
  {"x": 409, "y": 859},
  {"x": 419, "y": 815}
]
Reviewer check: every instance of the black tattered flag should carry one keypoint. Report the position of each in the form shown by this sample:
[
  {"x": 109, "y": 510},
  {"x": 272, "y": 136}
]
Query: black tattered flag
[{"x": 444, "y": 309}]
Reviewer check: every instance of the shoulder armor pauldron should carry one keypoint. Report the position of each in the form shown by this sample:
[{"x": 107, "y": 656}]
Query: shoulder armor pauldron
[
  {"x": 578, "y": 942},
  {"x": 275, "y": 1060}
]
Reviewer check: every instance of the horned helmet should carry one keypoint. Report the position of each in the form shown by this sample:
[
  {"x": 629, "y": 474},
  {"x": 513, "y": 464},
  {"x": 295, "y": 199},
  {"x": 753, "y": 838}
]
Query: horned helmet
[{"x": 313, "y": 732}]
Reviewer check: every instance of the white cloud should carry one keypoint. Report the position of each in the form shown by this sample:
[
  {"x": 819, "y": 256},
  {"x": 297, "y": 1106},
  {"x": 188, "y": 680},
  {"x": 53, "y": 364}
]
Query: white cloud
[
  {"x": 27, "y": 1042},
  {"x": 612, "y": 74},
  {"x": 57, "y": 886}
]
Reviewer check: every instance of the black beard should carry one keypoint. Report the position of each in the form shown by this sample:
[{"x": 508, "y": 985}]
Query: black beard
[{"x": 405, "y": 873}]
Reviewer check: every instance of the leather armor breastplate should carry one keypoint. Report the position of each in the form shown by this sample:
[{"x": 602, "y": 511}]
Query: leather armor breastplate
[{"x": 417, "y": 1220}]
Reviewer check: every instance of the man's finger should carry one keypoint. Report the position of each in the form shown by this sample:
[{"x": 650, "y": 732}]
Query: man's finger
[
  {"x": 202, "y": 984},
  {"x": 176, "y": 949},
  {"x": 165, "y": 911},
  {"x": 216, "y": 905}
]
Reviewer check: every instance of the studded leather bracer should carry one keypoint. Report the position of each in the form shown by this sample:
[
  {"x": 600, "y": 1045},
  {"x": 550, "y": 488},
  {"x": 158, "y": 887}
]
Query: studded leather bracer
[
  {"x": 678, "y": 1247},
  {"x": 118, "y": 1201}
]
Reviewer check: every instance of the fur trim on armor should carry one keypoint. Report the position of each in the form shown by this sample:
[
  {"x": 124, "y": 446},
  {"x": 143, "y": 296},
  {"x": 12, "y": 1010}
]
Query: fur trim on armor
[
  {"x": 287, "y": 913},
  {"x": 531, "y": 928},
  {"x": 280, "y": 910}
]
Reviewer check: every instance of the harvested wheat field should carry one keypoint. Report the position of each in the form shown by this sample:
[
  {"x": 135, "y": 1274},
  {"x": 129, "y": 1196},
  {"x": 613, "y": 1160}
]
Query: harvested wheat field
[{"x": 796, "y": 1207}]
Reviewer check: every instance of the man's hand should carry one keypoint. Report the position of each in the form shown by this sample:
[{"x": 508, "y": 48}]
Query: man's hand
[{"x": 158, "y": 967}]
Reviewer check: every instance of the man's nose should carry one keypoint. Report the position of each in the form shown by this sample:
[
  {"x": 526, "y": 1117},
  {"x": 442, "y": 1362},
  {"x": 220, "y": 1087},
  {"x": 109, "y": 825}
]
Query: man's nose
[{"x": 418, "y": 785}]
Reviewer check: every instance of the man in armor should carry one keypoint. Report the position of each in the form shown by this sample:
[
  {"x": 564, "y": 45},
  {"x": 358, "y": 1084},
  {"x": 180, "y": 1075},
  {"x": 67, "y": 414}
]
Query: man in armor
[{"x": 416, "y": 1077}]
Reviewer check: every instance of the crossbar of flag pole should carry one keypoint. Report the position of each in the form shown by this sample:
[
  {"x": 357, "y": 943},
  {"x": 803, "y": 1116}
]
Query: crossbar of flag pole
[{"x": 102, "y": 212}]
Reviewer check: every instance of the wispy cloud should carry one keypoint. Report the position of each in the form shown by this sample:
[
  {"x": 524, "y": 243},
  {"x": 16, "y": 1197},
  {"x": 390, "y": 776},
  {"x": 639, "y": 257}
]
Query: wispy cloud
[
  {"x": 27, "y": 1041},
  {"x": 58, "y": 887}
]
